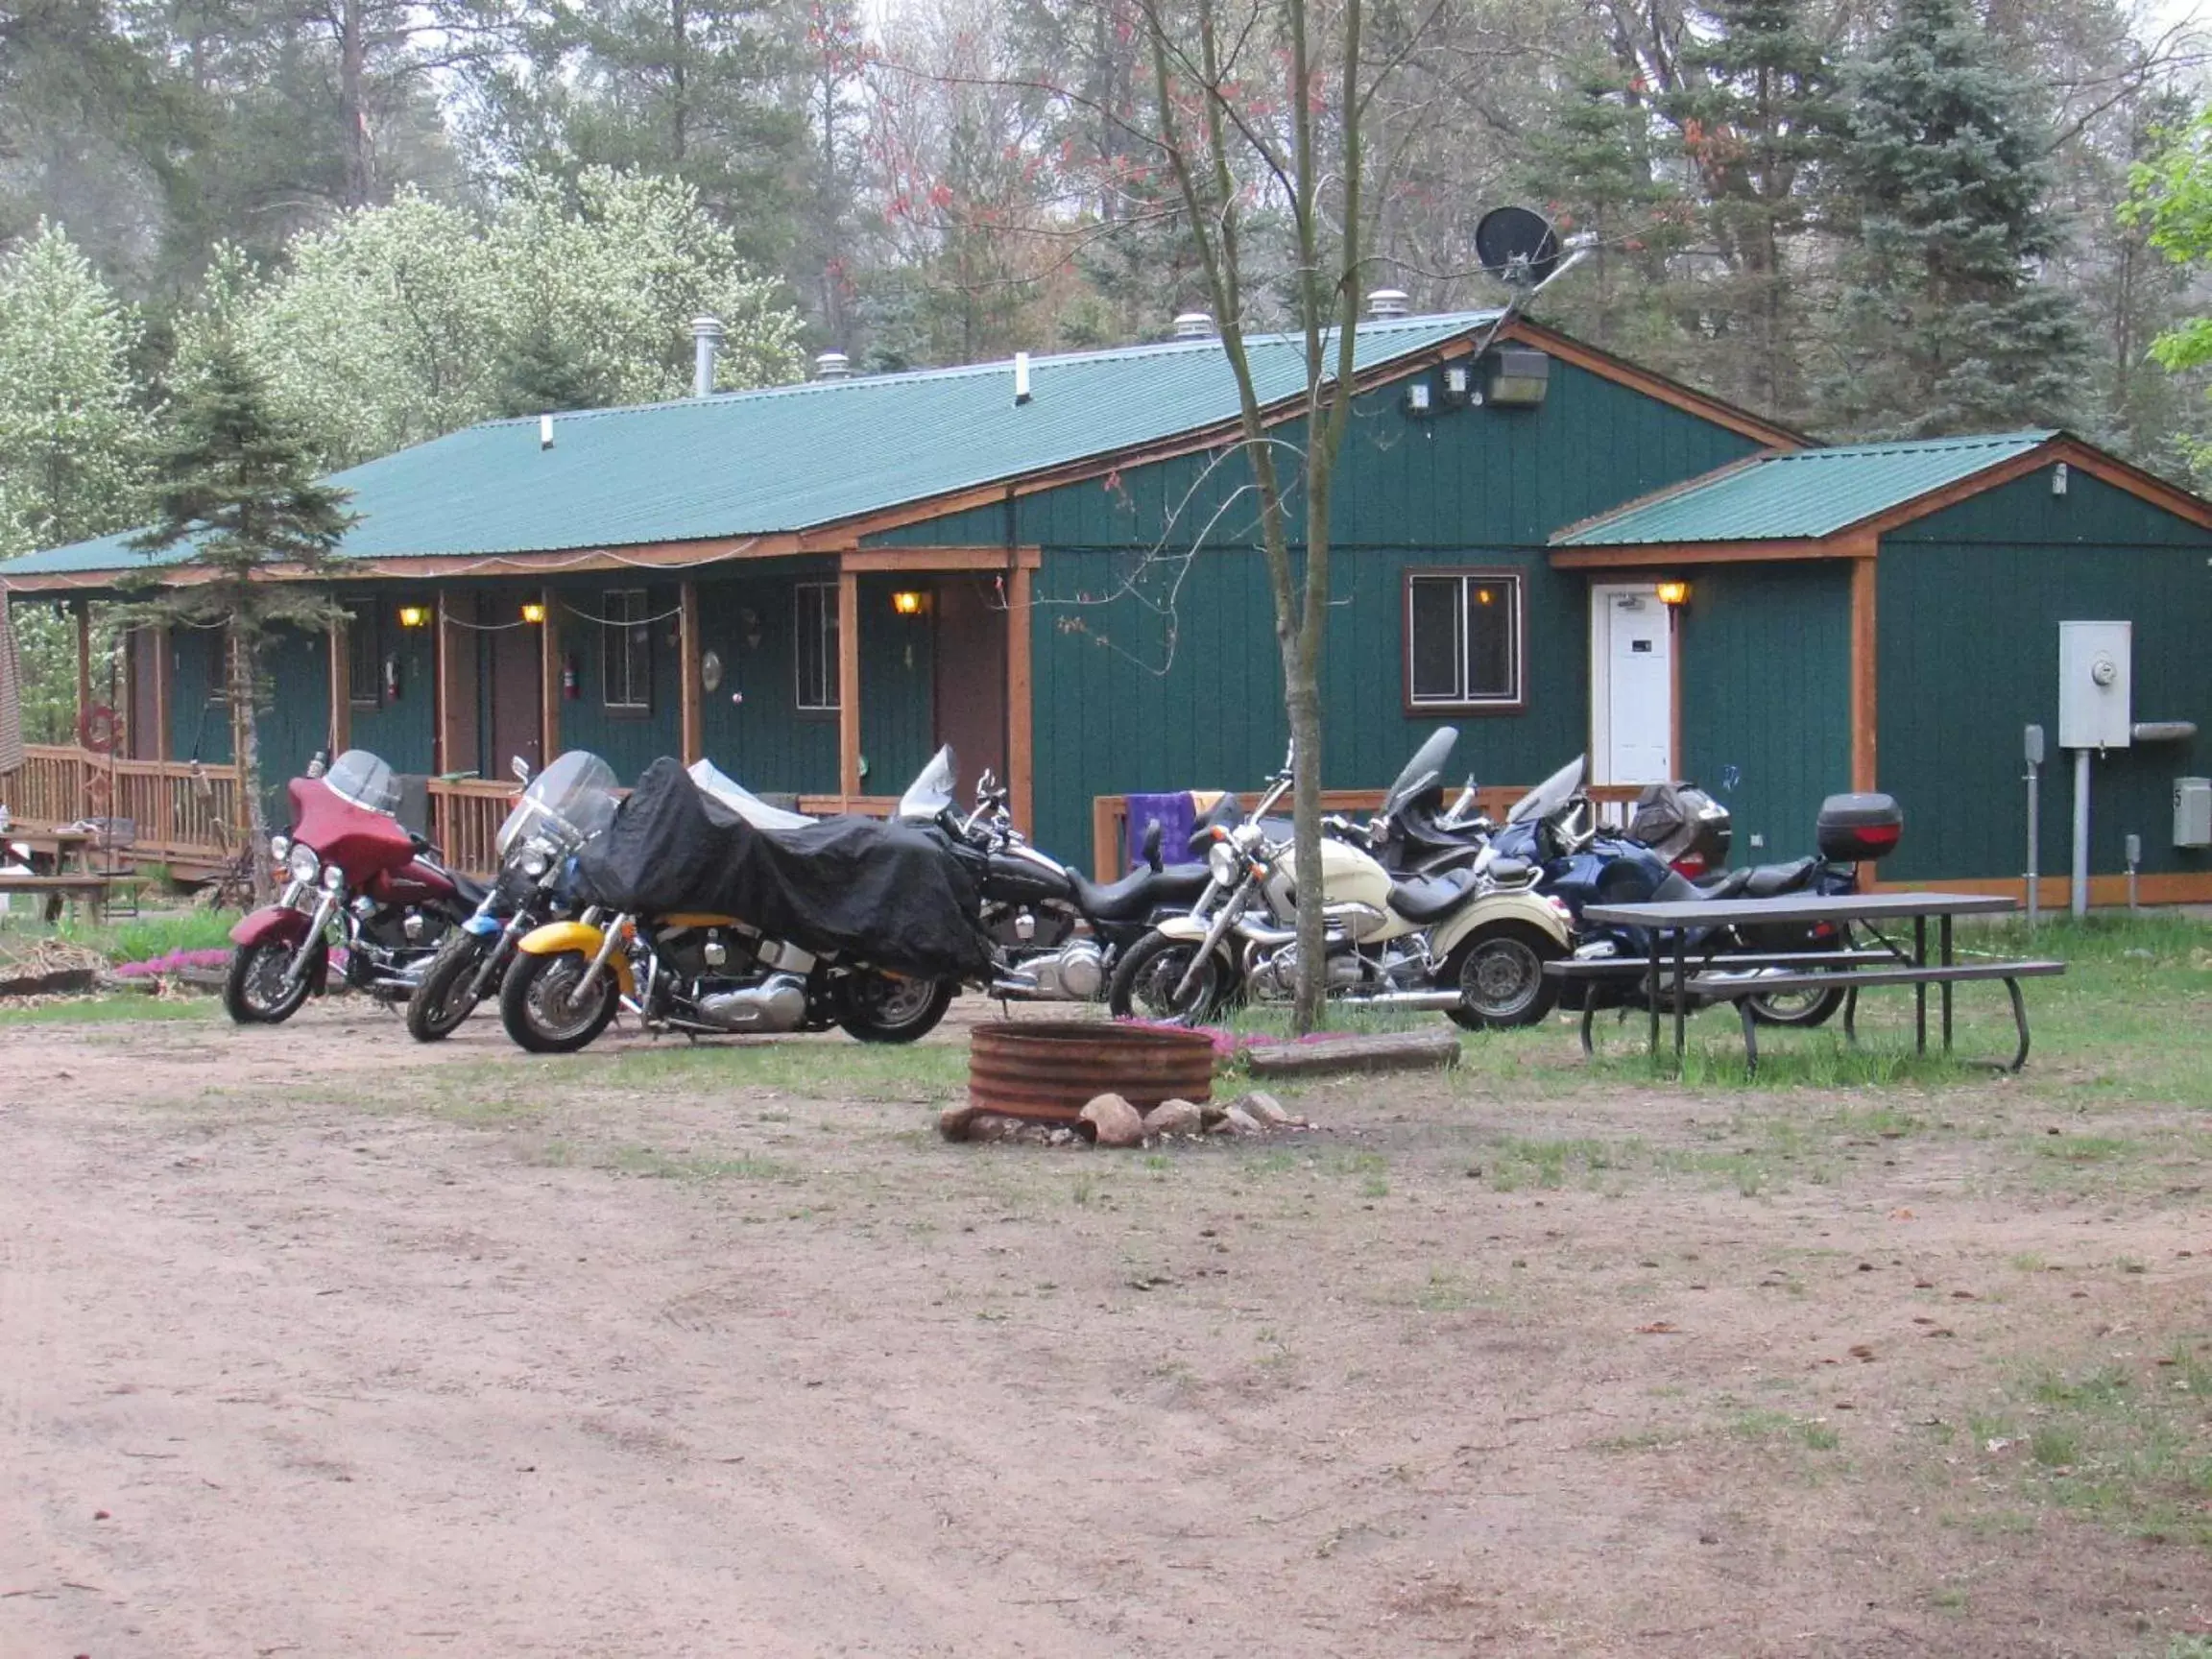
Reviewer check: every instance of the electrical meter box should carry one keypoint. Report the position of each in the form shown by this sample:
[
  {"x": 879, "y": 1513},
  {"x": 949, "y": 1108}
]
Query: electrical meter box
[
  {"x": 2193, "y": 811},
  {"x": 2096, "y": 695}
]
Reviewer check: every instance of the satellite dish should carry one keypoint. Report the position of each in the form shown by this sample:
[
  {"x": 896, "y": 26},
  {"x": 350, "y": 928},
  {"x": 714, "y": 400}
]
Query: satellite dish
[{"x": 1516, "y": 245}]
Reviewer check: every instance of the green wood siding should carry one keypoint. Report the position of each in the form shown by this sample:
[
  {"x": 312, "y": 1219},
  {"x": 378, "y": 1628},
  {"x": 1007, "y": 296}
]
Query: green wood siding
[
  {"x": 1969, "y": 603},
  {"x": 1766, "y": 698},
  {"x": 750, "y": 724},
  {"x": 402, "y": 730},
  {"x": 1166, "y": 676},
  {"x": 1136, "y": 694},
  {"x": 897, "y": 689},
  {"x": 629, "y": 741},
  {"x": 198, "y": 723}
]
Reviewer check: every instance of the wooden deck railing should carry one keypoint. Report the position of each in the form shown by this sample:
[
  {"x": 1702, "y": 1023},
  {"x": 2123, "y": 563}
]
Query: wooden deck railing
[
  {"x": 182, "y": 810},
  {"x": 1110, "y": 816}
]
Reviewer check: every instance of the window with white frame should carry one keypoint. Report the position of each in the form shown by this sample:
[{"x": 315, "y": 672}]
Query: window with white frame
[
  {"x": 626, "y": 650},
  {"x": 815, "y": 653},
  {"x": 1463, "y": 640}
]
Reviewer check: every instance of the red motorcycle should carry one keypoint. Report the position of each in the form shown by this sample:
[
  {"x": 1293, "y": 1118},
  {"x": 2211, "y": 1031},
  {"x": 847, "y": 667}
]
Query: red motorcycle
[{"x": 356, "y": 880}]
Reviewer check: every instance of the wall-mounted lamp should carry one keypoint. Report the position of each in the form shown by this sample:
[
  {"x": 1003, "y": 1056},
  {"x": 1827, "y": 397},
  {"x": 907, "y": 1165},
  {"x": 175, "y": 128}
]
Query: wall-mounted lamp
[
  {"x": 1515, "y": 377},
  {"x": 414, "y": 615},
  {"x": 1674, "y": 592},
  {"x": 533, "y": 613},
  {"x": 908, "y": 603}
]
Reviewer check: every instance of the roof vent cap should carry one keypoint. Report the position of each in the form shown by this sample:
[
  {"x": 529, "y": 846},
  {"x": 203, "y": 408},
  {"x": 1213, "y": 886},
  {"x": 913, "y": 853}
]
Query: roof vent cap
[
  {"x": 1195, "y": 325},
  {"x": 707, "y": 346},
  {"x": 832, "y": 366},
  {"x": 1387, "y": 302}
]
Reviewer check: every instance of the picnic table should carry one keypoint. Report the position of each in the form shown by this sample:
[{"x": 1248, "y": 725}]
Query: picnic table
[
  {"x": 54, "y": 849},
  {"x": 1694, "y": 933}
]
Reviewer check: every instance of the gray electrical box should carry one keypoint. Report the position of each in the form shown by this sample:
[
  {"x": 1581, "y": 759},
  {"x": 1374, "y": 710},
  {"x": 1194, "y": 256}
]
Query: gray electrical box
[
  {"x": 2095, "y": 697},
  {"x": 2193, "y": 811}
]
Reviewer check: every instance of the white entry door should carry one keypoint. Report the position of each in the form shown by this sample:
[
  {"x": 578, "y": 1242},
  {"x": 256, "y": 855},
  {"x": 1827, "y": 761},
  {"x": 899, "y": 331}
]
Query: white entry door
[{"x": 1631, "y": 685}]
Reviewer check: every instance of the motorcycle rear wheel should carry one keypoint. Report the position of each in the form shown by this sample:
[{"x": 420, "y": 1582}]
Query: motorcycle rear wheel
[
  {"x": 537, "y": 1006},
  {"x": 877, "y": 1007},
  {"x": 254, "y": 990},
  {"x": 1803, "y": 1009},
  {"x": 1146, "y": 977},
  {"x": 442, "y": 999},
  {"x": 1501, "y": 978}
]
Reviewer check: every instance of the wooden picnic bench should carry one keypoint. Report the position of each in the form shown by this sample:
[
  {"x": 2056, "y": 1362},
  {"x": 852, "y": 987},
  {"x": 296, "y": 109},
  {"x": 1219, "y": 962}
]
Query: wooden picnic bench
[
  {"x": 1699, "y": 929},
  {"x": 56, "y": 889}
]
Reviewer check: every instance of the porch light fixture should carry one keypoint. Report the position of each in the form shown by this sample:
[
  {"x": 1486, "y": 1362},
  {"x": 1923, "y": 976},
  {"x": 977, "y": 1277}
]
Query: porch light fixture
[
  {"x": 908, "y": 603},
  {"x": 1674, "y": 592},
  {"x": 414, "y": 615},
  {"x": 533, "y": 611}
]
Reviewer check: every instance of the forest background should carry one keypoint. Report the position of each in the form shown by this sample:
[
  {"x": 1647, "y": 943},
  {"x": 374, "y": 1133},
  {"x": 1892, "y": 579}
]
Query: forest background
[{"x": 1861, "y": 218}]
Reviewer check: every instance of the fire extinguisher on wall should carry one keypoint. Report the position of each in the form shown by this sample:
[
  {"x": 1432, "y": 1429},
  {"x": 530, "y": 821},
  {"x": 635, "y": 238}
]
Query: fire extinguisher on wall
[{"x": 571, "y": 677}]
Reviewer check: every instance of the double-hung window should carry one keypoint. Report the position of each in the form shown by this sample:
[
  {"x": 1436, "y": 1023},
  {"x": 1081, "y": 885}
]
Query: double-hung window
[
  {"x": 363, "y": 658},
  {"x": 815, "y": 609},
  {"x": 626, "y": 647},
  {"x": 1464, "y": 641}
]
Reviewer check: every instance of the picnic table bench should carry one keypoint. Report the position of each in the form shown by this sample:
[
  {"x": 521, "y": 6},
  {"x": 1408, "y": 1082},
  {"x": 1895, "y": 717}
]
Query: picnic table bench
[
  {"x": 56, "y": 889},
  {"x": 1695, "y": 931}
]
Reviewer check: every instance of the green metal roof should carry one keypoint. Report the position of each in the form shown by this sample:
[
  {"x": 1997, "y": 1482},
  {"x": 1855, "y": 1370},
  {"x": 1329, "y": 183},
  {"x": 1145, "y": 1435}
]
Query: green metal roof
[
  {"x": 792, "y": 457},
  {"x": 1803, "y": 494}
]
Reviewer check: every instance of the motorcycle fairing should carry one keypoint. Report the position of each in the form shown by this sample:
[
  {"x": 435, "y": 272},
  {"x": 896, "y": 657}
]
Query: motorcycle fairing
[{"x": 271, "y": 924}]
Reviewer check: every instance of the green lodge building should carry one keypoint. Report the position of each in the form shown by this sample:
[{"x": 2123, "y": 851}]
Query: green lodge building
[{"x": 1053, "y": 564}]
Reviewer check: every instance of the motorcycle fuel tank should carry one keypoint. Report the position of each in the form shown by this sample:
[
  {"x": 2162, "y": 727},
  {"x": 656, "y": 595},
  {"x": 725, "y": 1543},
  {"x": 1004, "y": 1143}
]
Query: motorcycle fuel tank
[
  {"x": 1353, "y": 886},
  {"x": 1021, "y": 877}
]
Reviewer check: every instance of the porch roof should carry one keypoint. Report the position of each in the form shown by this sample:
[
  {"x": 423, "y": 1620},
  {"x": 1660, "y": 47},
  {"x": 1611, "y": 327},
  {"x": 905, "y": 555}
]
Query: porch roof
[
  {"x": 1802, "y": 495},
  {"x": 794, "y": 458}
]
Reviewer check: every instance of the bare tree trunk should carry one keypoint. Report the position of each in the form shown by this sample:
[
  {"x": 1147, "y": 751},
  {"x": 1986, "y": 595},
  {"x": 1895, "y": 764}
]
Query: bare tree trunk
[
  {"x": 352, "y": 102},
  {"x": 679, "y": 49},
  {"x": 246, "y": 749}
]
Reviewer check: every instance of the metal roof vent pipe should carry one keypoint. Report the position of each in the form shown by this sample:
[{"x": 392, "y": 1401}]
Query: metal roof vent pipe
[
  {"x": 707, "y": 346},
  {"x": 1387, "y": 302},
  {"x": 1195, "y": 325},
  {"x": 832, "y": 366}
]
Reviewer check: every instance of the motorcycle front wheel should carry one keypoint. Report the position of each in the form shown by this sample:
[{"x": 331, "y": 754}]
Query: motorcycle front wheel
[
  {"x": 1149, "y": 974},
  {"x": 446, "y": 994},
  {"x": 254, "y": 990},
  {"x": 1499, "y": 974},
  {"x": 877, "y": 1007},
  {"x": 540, "y": 1007}
]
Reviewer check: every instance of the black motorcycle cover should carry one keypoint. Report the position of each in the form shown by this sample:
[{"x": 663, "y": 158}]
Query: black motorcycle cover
[{"x": 889, "y": 895}]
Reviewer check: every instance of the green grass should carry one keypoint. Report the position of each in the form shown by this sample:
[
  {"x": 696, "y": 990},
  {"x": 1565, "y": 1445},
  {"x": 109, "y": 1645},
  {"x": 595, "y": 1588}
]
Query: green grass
[
  {"x": 142, "y": 937},
  {"x": 111, "y": 1010},
  {"x": 817, "y": 1065}
]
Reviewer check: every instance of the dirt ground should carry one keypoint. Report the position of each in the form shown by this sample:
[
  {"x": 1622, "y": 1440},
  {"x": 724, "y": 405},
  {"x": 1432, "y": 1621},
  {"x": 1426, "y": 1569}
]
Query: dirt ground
[{"x": 651, "y": 1353}]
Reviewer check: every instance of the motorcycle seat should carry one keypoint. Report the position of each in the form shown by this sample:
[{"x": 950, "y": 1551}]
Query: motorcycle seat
[
  {"x": 1429, "y": 899},
  {"x": 1769, "y": 880},
  {"x": 1506, "y": 871},
  {"x": 1140, "y": 892},
  {"x": 1728, "y": 884}
]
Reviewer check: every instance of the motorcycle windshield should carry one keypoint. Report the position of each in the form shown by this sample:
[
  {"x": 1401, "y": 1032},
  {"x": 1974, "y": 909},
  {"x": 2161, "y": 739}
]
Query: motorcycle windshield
[
  {"x": 712, "y": 779},
  {"x": 1548, "y": 796},
  {"x": 362, "y": 779},
  {"x": 1424, "y": 772},
  {"x": 932, "y": 792},
  {"x": 568, "y": 804}
]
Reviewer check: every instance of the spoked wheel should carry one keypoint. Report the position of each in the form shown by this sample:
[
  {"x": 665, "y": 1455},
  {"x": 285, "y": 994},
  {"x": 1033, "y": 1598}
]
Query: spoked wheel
[
  {"x": 1501, "y": 978},
  {"x": 1800, "y": 1008},
  {"x": 254, "y": 992},
  {"x": 878, "y": 1007},
  {"x": 1151, "y": 972},
  {"x": 541, "y": 1010},
  {"x": 446, "y": 994}
]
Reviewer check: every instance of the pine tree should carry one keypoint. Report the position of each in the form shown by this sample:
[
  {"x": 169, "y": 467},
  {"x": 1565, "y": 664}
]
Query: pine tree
[
  {"x": 236, "y": 490},
  {"x": 1941, "y": 326},
  {"x": 1755, "y": 130}
]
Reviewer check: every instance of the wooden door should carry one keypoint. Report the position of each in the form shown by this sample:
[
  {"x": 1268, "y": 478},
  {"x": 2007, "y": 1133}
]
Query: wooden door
[
  {"x": 970, "y": 676},
  {"x": 517, "y": 700}
]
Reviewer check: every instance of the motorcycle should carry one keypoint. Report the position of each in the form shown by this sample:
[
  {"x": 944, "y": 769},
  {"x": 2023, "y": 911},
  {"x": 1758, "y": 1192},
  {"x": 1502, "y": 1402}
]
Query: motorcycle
[
  {"x": 354, "y": 878},
  {"x": 1555, "y": 825},
  {"x": 558, "y": 812},
  {"x": 1470, "y": 943},
  {"x": 1057, "y": 935},
  {"x": 707, "y": 924}
]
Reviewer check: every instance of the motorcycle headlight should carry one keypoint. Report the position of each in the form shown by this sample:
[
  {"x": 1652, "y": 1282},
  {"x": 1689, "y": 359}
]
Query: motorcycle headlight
[
  {"x": 300, "y": 858},
  {"x": 536, "y": 862},
  {"x": 1222, "y": 864},
  {"x": 333, "y": 877},
  {"x": 280, "y": 848}
]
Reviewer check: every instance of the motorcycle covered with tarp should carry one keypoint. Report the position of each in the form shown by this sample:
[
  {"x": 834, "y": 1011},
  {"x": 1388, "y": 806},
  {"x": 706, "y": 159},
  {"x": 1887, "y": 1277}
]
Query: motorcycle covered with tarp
[{"x": 709, "y": 924}]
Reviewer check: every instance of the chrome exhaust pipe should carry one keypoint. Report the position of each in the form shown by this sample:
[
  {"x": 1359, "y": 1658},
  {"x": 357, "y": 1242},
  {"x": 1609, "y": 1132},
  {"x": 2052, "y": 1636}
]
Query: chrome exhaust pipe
[{"x": 1435, "y": 1000}]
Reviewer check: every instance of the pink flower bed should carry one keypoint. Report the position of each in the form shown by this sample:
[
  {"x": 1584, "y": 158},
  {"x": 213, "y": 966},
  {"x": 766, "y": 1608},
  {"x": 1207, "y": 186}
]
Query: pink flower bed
[{"x": 173, "y": 962}]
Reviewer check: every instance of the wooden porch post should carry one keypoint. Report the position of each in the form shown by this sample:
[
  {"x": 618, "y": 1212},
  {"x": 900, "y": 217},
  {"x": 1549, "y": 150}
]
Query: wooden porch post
[
  {"x": 83, "y": 610},
  {"x": 164, "y": 669},
  {"x": 848, "y": 682},
  {"x": 340, "y": 691},
  {"x": 691, "y": 715},
  {"x": 441, "y": 695},
  {"x": 549, "y": 676},
  {"x": 1018, "y": 702},
  {"x": 1864, "y": 672}
]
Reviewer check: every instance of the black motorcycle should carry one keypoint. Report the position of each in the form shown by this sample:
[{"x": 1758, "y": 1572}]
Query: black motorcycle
[{"x": 559, "y": 810}]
